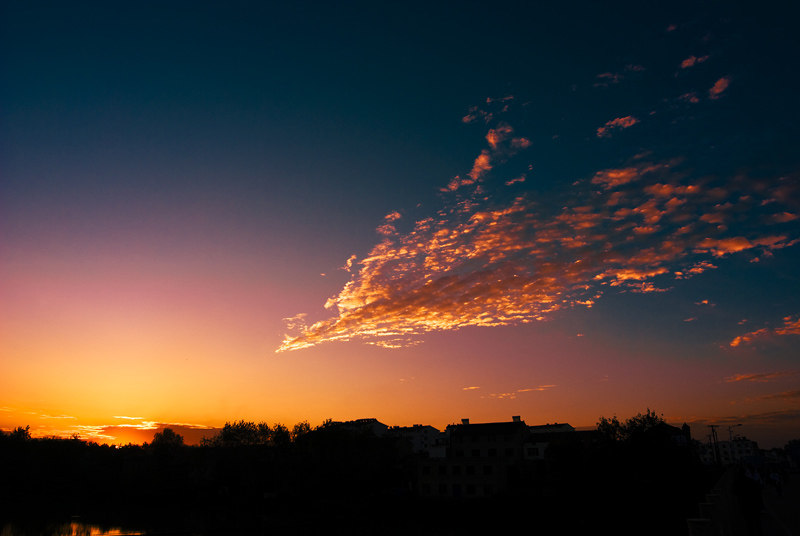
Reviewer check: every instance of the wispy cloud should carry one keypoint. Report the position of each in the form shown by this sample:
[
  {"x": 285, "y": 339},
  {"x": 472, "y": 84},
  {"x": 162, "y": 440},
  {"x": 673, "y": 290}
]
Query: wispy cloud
[
  {"x": 691, "y": 61},
  {"x": 760, "y": 377},
  {"x": 611, "y": 78},
  {"x": 791, "y": 326},
  {"x": 786, "y": 395},
  {"x": 616, "y": 124},
  {"x": 533, "y": 389},
  {"x": 788, "y": 417},
  {"x": 718, "y": 87},
  {"x": 502, "y": 145},
  {"x": 633, "y": 228}
]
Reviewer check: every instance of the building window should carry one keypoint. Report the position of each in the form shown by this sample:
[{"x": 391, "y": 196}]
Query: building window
[{"x": 487, "y": 469}]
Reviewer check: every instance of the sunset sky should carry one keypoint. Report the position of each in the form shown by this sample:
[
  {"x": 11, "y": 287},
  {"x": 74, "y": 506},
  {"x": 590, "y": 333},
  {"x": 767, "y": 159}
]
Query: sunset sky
[{"x": 415, "y": 212}]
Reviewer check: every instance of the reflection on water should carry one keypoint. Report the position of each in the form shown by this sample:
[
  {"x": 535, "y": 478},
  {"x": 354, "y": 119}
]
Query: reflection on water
[{"x": 66, "y": 528}]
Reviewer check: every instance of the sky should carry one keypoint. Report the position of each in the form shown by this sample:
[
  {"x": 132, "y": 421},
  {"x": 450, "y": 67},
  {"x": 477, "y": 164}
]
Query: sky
[{"x": 409, "y": 211}]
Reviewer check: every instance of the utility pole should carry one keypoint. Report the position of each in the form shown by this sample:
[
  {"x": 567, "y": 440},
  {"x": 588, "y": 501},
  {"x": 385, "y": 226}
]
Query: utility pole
[{"x": 715, "y": 442}]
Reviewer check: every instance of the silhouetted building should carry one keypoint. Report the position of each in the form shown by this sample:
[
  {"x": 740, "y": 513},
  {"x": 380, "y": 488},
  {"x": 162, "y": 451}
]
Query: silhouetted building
[
  {"x": 539, "y": 438},
  {"x": 373, "y": 426},
  {"x": 423, "y": 438},
  {"x": 482, "y": 460},
  {"x": 737, "y": 451}
]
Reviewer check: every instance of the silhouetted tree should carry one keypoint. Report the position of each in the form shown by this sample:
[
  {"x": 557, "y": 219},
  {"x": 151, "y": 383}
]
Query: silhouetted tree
[
  {"x": 167, "y": 439},
  {"x": 639, "y": 424},
  {"x": 240, "y": 434},
  {"x": 327, "y": 423},
  {"x": 612, "y": 430},
  {"x": 280, "y": 435},
  {"x": 21, "y": 434},
  {"x": 264, "y": 433},
  {"x": 300, "y": 429}
]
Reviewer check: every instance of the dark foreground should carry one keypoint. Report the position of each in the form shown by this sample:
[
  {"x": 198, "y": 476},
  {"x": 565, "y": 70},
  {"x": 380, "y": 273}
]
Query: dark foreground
[{"x": 338, "y": 483}]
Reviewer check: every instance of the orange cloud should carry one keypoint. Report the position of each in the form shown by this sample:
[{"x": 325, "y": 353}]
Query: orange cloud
[
  {"x": 720, "y": 86},
  {"x": 692, "y": 60},
  {"x": 790, "y": 327},
  {"x": 690, "y": 97},
  {"x": 618, "y": 123},
  {"x": 482, "y": 165},
  {"x": 783, "y": 217},
  {"x": 496, "y": 138},
  {"x": 606, "y": 79},
  {"x": 499, "y": 134},
  {"x": 477, "y": 263},
  {"x": 759, "y": 377}
]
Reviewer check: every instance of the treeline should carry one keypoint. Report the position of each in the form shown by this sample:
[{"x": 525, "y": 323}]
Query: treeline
[
  {"x": 249, "y": 433},
  {"x": 243, "y": 475},
  {"x": 306, "y": 479}
]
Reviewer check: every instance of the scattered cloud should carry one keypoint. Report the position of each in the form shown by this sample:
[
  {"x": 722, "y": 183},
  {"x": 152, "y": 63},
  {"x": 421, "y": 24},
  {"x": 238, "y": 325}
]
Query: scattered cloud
[
  {"x": 691, "y": 61},
  {"x": 791, "y": 326},
  {"x": 718, "y": 87},
  {"x": 511, "y": 396},
  {"x": 515, "y": 180},
  {"x": 783, "y": 217},
  {"x": 786, "y": 395},
  {"x": 502, "y": 145},
  {"x": 616, "y": 124},
  {"x": 690, "y": 97},
  {"x": 532, "y": 389},
  {"x": 608, "y": 78},
  {"x": 472, "y": 388},
  {"x": 477, "y": 262},
  {"x": 760, "y": 377}
]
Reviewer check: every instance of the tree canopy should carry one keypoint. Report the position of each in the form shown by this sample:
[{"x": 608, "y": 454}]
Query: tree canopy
[
  {"x": 612, "y": 430},
  {"x": 167, "y": 439}
]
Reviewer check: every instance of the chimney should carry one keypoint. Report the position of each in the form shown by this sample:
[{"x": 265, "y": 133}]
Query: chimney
[
  {"x": 464, "y": 421},
  {"x": 516, "y": 418}
]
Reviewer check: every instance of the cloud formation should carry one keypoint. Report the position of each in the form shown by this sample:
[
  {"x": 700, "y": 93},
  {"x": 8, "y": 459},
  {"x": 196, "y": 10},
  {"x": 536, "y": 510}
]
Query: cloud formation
[
  {"x": 718, "y": 87},
  {"x": 759, "y": 377},
  {"x": 691, "y": 61},
  {"x": 633, "y": 228},
  {"x": 608, "y": 78},
  {"x": 791, "y": 326},
  {"x": 616, "y": 124}
]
